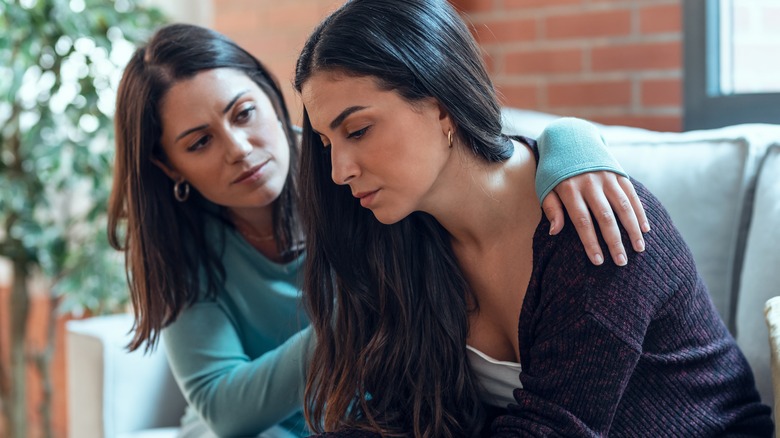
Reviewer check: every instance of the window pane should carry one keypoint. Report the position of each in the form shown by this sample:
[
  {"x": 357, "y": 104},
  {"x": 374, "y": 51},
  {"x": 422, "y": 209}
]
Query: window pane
[{"x": 749, "y": 46}]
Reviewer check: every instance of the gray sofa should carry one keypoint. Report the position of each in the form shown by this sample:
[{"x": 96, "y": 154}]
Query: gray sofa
[{"x": 721, "y": 187}]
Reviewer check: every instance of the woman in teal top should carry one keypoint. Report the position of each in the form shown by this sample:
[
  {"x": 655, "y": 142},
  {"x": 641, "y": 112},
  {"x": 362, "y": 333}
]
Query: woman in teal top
[{"x": 204, "y": 203}]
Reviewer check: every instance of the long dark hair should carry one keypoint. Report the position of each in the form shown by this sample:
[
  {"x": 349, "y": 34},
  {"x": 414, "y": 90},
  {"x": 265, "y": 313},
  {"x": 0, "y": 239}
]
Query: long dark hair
[
  {"x": 165, "y": 240},
  {"x": 389, "y": 303}
]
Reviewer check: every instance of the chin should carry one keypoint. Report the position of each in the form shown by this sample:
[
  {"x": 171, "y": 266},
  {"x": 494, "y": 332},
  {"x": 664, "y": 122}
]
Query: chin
[{"x": 387, "y": 219}]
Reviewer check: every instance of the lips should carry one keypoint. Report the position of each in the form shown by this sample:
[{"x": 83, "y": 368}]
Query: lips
[
  {"x": 249, "y": 173},
  {"x": 366, "y": 197},
  {"x": 361, "y": 195}
]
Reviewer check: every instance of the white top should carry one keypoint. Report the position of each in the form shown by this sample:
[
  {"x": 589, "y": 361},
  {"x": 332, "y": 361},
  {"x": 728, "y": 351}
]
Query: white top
[{"x": 497, "y": 378}]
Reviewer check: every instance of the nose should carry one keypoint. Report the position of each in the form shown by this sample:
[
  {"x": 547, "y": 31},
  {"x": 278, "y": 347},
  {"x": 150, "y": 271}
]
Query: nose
[
  {"x": 343, "y": 166},
  {"x": 238, "y": 147}
]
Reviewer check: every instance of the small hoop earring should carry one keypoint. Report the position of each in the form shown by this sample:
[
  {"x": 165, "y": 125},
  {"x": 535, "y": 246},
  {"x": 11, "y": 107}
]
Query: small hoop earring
[
  {"x": 181, "y": 190},
  {"x": 449, "y": 137}
]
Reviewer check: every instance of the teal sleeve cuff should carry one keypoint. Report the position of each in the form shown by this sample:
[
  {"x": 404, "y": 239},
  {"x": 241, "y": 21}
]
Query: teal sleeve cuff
[{"x": 569, "y": 147}]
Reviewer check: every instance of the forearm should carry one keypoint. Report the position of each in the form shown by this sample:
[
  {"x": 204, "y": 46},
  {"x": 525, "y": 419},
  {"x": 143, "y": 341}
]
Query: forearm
[{"x": 234, "y": 394}]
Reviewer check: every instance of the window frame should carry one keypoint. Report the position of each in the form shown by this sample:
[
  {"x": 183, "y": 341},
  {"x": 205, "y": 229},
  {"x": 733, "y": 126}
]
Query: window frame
[{"x": 703, "y": 109}]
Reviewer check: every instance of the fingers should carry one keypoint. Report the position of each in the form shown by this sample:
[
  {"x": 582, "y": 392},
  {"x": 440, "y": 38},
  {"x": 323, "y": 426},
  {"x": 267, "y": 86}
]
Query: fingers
[
  {"x": 602, "y": 211},
  {"x": 553, "y": 209},
  {"x": 636, "y": 203},
  {"x": 620, "y": 198},
  {"x": 570, "y": 195},
  {"x": 609, "y": 198}
]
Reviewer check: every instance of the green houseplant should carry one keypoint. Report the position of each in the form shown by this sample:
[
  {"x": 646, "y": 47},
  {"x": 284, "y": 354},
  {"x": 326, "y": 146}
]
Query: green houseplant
[{"x": 60, "y": 61}]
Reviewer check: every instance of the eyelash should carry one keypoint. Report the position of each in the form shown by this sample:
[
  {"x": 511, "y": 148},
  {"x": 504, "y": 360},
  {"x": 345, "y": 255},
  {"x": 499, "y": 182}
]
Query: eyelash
[
  {"x": 246, "y": 113},
  {"x": 358, "y": 134},
  {"x": 241, "y": 117},
  {"x": 199, "y": 143}
]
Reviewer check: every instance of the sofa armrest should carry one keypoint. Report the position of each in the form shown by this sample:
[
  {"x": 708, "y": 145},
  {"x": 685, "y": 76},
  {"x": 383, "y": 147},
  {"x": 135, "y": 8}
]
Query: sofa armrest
[{"x": 112, "y": 391}]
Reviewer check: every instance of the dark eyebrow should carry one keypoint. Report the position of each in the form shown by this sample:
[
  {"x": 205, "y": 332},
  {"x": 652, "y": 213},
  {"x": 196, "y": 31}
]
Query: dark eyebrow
[
  {"x": 344, "y": 114},
  {"x": 224, "y": 111},
  {"x": 190, "y": 131},
  {"x": 233, "y": 101}
]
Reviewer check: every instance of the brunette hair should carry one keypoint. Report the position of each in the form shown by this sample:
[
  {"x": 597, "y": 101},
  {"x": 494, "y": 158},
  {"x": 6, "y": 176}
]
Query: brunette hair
[
  {"x": 168, "y": 259},
  {"x": 388, "y": 302}
]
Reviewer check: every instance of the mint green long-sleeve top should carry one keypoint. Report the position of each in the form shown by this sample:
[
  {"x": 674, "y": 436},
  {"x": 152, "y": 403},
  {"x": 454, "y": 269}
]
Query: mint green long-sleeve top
[{"x": 241, "y": 359}]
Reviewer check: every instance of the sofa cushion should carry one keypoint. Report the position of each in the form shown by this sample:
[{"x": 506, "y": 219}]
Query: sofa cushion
[
  {"x": 701, "y": 177},
  {"x": 760, "y": 279}
]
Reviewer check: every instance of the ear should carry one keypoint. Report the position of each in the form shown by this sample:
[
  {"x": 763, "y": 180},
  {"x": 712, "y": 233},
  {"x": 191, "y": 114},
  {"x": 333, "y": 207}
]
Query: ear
[
  {"x": 445, "y": 120},
  {"x": 172, "y": 174}
]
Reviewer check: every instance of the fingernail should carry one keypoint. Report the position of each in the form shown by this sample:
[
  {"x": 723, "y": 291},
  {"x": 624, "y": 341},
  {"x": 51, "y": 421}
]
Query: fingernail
[
  {"x": 640, "y": 245},
  {"x": 646, "y": 227},
  {"x": 621, "y": 260},
  {"x": 552, "y": 226},
  {"x": 598, "y": 259}
]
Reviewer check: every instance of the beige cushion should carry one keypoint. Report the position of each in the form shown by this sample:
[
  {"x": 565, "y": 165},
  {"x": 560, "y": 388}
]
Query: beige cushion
[
  {"x": 772, "y": 313},
  {"x": 761, "y": 272}
]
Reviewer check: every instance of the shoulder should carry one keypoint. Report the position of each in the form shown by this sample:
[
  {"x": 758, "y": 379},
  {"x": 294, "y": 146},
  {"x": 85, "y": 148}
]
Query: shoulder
[{"x": 625, "y": 298}]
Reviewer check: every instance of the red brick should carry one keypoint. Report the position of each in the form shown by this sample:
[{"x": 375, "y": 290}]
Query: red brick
[
  {"x": 232, "y": 22},
  {"x": 547, "y": 61},
  {"x": 518, "y": 96},
  {"x": 650, "y": 56},
  {"x": 587, "y": 94},
  {"x": 654, "y": 123},
  {"x": 589, "y": 24},
  {"x": 497, "y": 32},
  {"x": 662, "y": 92},
  {"x": 661, "y": 18},
  {"x": 519, "y": 4},
  {"x": 471, "y": 6},
  {"x": 290, "y": 14}
]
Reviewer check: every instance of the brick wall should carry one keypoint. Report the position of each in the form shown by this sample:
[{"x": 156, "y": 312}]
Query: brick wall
[{"x": 613, "y": 61}]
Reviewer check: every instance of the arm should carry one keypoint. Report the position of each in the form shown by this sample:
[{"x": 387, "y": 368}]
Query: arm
[
  {"x": 233, "y": 394},
  {"x": 576, "y": 168}
]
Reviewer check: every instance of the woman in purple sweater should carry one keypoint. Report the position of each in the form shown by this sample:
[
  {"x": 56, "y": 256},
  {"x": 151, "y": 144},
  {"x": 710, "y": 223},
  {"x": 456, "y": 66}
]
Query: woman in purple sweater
[{"x": 432, "y": 283}]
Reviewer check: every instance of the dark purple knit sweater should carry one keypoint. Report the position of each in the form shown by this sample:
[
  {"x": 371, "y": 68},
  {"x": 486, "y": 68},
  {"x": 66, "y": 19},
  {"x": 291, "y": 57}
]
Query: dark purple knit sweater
[
  {"x": 629, "y": 351},
  {"x": 632, "y": 351}
]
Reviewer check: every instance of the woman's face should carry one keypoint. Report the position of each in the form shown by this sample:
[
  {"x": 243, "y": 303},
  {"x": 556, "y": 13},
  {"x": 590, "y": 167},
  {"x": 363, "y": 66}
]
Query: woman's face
[
  {"x": 221, "y": 134},
  {"x": 390, "y": 152}
]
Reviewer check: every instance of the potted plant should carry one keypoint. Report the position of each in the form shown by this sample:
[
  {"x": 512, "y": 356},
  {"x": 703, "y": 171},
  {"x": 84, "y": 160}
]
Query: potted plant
[{"x": 60, "y": 61}]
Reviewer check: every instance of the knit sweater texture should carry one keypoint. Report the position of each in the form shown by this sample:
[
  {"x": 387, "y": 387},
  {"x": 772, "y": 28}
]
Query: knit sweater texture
[{"x": 638, "y": 350}]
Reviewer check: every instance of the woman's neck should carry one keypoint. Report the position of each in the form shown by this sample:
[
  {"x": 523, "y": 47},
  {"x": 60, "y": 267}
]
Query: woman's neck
[
  {"x": 478, "y": 203},
  {"x": 256, "y": 226}
]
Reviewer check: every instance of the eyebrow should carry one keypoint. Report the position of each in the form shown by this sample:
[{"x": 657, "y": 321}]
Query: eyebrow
[
  {"x": 224, "y": 111},
  {"x": 344, "y": 114}
]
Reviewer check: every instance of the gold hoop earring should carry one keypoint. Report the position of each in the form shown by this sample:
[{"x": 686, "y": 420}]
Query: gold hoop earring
[
  {"x": 181, "y": 190},
  {"x": 449, "y": 137}
]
